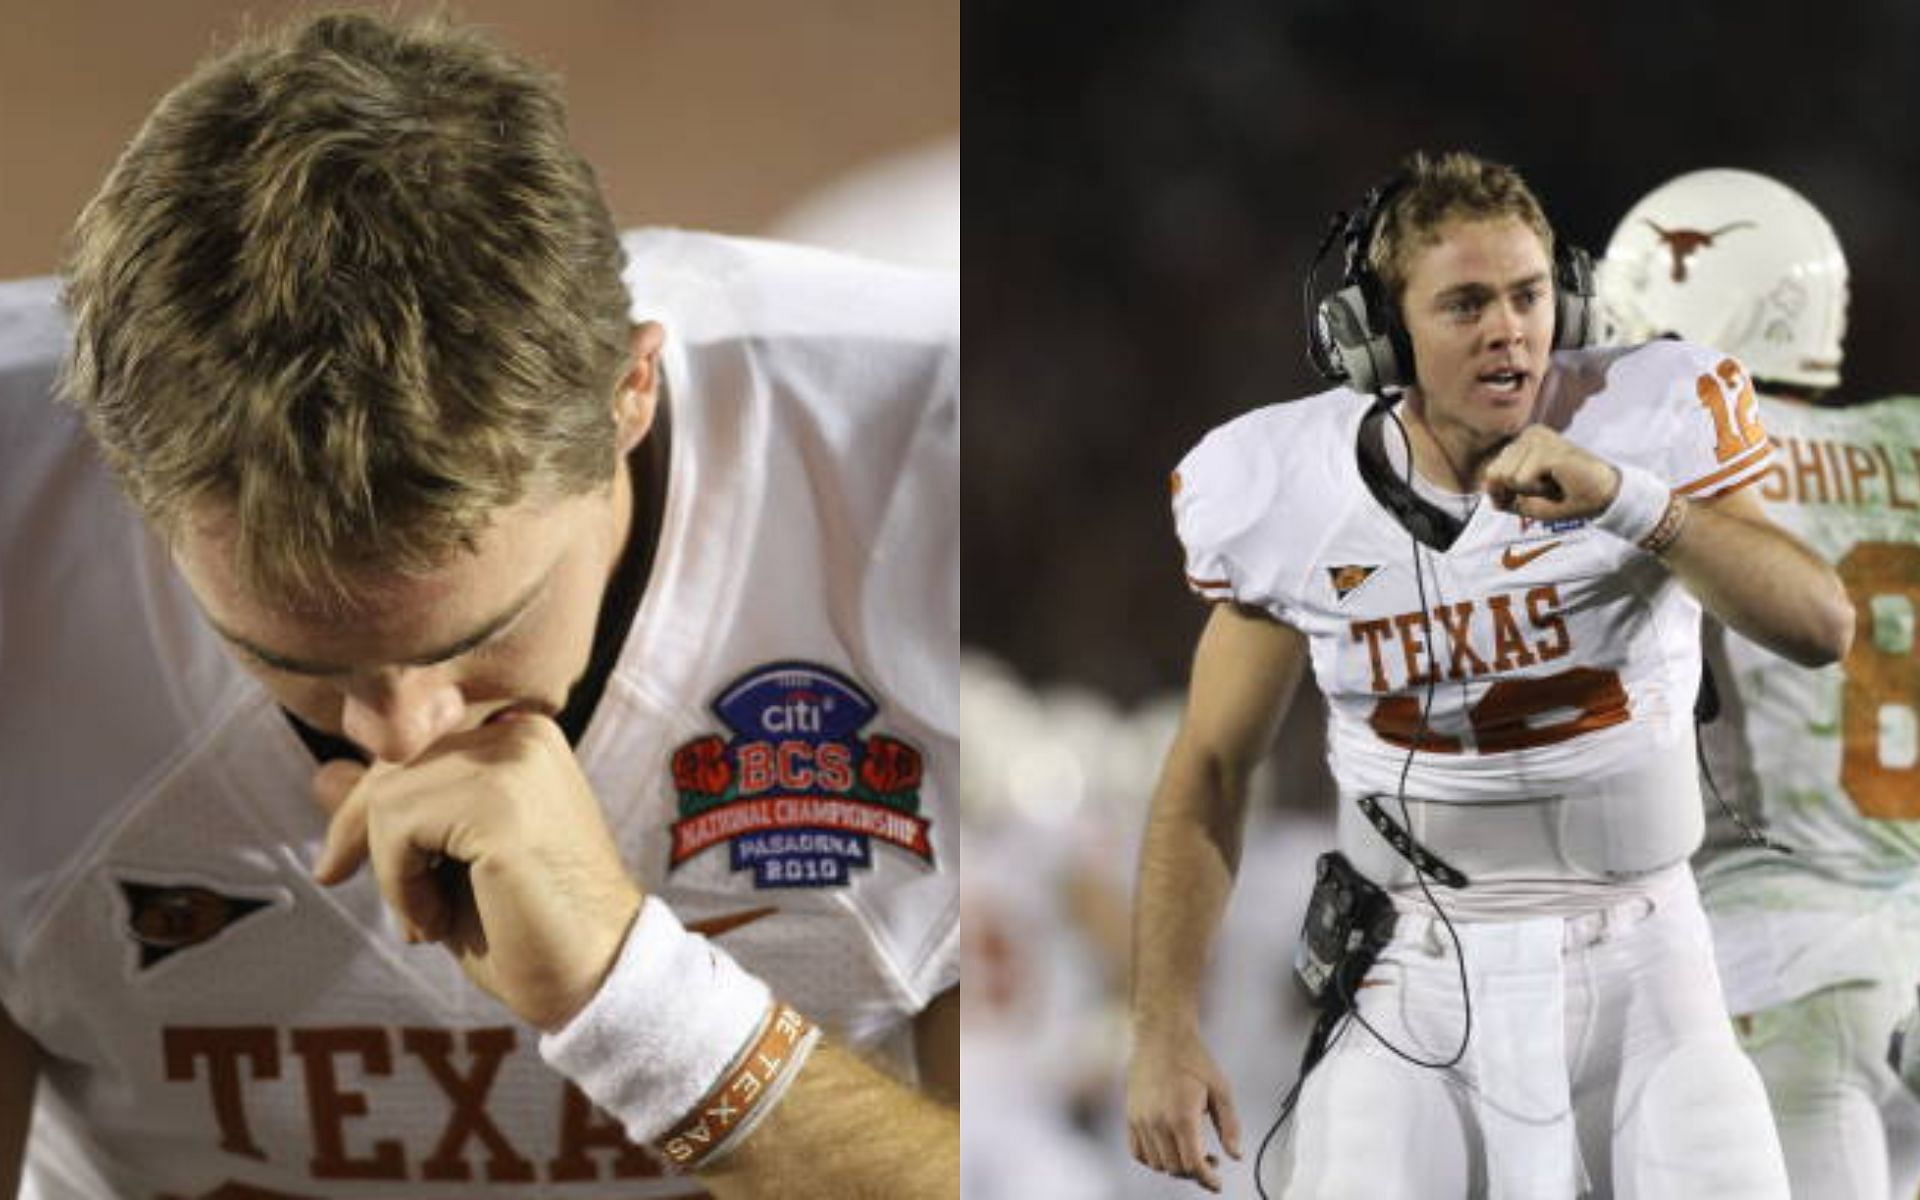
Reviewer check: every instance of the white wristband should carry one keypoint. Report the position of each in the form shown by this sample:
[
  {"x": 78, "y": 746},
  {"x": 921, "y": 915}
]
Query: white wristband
[
  {"x": 670, "y": 1018},
  {"x": 1637, "y": 507}
]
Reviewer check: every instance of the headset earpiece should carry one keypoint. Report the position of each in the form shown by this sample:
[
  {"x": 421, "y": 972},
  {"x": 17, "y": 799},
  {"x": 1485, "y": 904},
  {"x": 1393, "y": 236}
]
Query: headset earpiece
[
  {"x": 1573, "y": 288},
  {"x": 1355, "y": 337},
  {"x": 1365, "y": 356}
]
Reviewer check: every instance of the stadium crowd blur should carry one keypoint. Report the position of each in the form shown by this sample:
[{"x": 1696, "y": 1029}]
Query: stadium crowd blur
[{"x": 1145, "y": 192}]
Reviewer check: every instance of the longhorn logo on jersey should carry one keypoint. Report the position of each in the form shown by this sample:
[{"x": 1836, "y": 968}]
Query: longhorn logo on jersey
[
  {"x": 800, "y": 790},
  {"x": 165, "y": 920},
  {"x": 1346, "y": 579}
]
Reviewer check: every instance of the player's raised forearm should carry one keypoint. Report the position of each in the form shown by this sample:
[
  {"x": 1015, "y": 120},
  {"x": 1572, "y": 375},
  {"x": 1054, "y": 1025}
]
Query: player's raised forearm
[
  {"x": 1762, "y": 581},
  {"x": 1746, "y": 570},
  {"x": 845, "y": 1129}
]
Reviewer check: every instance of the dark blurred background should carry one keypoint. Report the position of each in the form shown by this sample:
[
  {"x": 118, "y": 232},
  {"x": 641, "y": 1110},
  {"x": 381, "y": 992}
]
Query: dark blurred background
[{"x": 1146, "y": 184}]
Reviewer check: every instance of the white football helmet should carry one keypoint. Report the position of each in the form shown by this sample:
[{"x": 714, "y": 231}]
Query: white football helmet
[{"x": 1736, "y": 261}]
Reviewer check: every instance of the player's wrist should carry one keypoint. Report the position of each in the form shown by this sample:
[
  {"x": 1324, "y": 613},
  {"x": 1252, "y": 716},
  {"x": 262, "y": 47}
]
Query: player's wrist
[
  {"x": 599, "y": 949},
  {"x": 1165, "y": 1022},
  {"x": 688, "y": 1049},
  {"x": 1619, "y": 479},
  {"x": 750, "y": 1088},
  {"x": 1639, "y": 505}
]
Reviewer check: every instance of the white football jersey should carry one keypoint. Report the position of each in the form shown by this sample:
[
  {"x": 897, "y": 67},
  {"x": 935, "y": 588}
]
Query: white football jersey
[
  {"x": 1827, "y": 759},
  {"x": 1560, "y": 661},
  {"x": 776, "y": 751}
]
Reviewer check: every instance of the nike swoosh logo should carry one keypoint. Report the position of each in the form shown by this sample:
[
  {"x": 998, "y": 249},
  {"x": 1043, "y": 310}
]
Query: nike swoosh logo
[
  {"x": 1513, "y": 559},
  {"x": 715, "y": 926}
]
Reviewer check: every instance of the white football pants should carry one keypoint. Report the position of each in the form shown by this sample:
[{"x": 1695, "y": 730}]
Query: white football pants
[
  {"x": 1850, "y": 1128},
  {"x": 1602, "y": 1063}
]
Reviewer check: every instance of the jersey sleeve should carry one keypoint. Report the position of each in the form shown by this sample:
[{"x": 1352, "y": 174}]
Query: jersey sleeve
[
  {"x": 1710, "y": 437},
  {"x": 1254, "y": 498},
  {"x": 1214, "y": 505}
]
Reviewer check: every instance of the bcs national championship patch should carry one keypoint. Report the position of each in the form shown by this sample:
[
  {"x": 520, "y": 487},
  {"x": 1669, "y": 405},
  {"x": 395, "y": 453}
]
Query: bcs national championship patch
[{"x": 798, "y": 792}]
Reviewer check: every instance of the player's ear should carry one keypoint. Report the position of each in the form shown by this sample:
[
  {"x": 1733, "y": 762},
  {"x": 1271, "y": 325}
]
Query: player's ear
[{"x": 638, "y": 396}]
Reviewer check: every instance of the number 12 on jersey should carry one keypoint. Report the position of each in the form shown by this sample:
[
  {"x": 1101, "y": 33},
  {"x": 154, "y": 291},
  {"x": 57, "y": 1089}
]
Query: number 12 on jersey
[{"x": 1728, "y": 397}]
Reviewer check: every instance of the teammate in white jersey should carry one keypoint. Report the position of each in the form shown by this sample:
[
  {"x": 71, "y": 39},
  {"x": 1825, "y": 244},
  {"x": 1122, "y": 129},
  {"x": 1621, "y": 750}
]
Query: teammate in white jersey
[
  {"x": 611, "y": 582},
  {"x": 1818, "y": 947},
  {"x": 1506, "y": 630}
]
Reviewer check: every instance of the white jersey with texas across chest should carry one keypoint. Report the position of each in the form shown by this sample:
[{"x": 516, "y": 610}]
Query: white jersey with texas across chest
[
  {"x": 776, "y": 751},
  {"x": 1561, "y": 663},
  {"x": 1828, "y": 759}
]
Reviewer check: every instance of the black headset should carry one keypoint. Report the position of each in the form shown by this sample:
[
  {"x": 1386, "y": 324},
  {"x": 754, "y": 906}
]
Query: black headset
[{"x": 1355, "y": 336}]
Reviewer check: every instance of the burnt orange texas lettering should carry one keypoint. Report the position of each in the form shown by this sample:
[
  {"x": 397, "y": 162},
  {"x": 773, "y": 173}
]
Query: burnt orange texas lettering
[
  {"x": 1483, "y": 637},
  {"x": 235, "y": 1063}
]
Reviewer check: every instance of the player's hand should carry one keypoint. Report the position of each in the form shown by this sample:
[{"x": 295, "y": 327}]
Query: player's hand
[
  {"x": 493, "y": 844},
  {"x": 1171, "y": 1083},
  {"x": 1545, "y": 477}
]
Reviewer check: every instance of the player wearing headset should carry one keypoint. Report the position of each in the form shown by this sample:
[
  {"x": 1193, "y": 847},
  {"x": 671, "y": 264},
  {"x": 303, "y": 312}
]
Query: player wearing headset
[
  {"x": 1501, "y": 606},
  {"x": 1818, "y": 947}
]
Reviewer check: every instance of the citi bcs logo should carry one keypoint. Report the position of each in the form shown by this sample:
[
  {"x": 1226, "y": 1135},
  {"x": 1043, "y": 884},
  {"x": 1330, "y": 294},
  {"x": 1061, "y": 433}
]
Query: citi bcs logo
[{"x": 797, "y": 791}]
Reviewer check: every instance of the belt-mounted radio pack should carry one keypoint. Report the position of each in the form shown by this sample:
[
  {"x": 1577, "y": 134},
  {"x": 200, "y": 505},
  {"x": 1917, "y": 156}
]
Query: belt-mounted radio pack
[{"x": 1349, "y": 920}]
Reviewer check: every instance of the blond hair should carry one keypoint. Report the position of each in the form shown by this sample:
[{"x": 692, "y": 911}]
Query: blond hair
[
  {"x": 351, "y": 283},
  {"x": 1435, "y": 190}
]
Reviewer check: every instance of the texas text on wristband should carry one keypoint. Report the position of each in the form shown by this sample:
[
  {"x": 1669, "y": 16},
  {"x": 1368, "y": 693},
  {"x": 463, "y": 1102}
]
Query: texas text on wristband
[{"x": 749, "y": 1089}]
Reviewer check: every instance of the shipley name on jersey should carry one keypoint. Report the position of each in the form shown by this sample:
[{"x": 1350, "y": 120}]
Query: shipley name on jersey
[{"x": 1830, "y": 471}]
